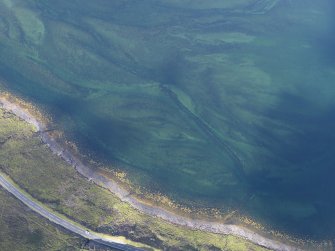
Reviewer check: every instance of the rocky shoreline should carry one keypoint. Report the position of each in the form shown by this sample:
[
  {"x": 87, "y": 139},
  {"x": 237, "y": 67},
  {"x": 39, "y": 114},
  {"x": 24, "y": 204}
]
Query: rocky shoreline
[{"x": 125, "y": 196}]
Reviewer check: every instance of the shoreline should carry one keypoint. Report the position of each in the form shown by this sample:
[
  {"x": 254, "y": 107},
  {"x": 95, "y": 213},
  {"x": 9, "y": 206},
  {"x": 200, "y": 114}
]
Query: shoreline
[{"x": 124, "y": 195}]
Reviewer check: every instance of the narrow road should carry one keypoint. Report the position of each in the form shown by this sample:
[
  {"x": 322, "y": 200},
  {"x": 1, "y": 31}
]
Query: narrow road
[{"x": 77, "y": 229}]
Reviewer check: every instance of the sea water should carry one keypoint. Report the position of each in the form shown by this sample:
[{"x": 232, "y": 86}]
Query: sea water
[{"x": 225, "y": 104}]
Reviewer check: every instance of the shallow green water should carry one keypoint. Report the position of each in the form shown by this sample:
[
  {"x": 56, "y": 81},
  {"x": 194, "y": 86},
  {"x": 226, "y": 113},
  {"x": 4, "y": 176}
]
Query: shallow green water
[{"x": 225, "y": 103}]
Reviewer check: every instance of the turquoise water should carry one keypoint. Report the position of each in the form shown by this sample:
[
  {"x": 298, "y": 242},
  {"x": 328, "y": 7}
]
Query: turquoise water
[{"x": 226, "y": 104}]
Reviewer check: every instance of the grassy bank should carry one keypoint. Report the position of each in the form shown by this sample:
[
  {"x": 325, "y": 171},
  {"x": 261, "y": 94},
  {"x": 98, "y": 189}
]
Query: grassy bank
[
  {"x": 50, "y": 180},
  {"x": 21, "y": 229}
]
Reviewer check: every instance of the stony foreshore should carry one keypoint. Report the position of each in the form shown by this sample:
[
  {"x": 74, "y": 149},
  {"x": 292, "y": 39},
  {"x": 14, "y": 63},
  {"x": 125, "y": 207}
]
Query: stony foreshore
[{"x": 125, "y": 196}]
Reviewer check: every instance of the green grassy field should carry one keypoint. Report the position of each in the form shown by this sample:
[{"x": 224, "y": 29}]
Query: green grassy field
[{"x": 22, "y": 230}]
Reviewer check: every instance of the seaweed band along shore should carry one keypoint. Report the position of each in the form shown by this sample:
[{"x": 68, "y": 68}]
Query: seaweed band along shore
[{"x": 125, "y": 196}]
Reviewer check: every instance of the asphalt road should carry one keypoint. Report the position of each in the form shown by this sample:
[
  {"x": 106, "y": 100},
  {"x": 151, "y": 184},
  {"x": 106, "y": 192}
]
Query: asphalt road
[{"x": 63, "y": 222}]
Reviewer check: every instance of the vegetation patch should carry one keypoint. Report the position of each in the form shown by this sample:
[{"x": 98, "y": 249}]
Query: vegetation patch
[{"x": 22, "y": 230}]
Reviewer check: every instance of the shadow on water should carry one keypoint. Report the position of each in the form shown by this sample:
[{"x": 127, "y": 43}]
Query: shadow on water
[{"x": 303, "y": 173}]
